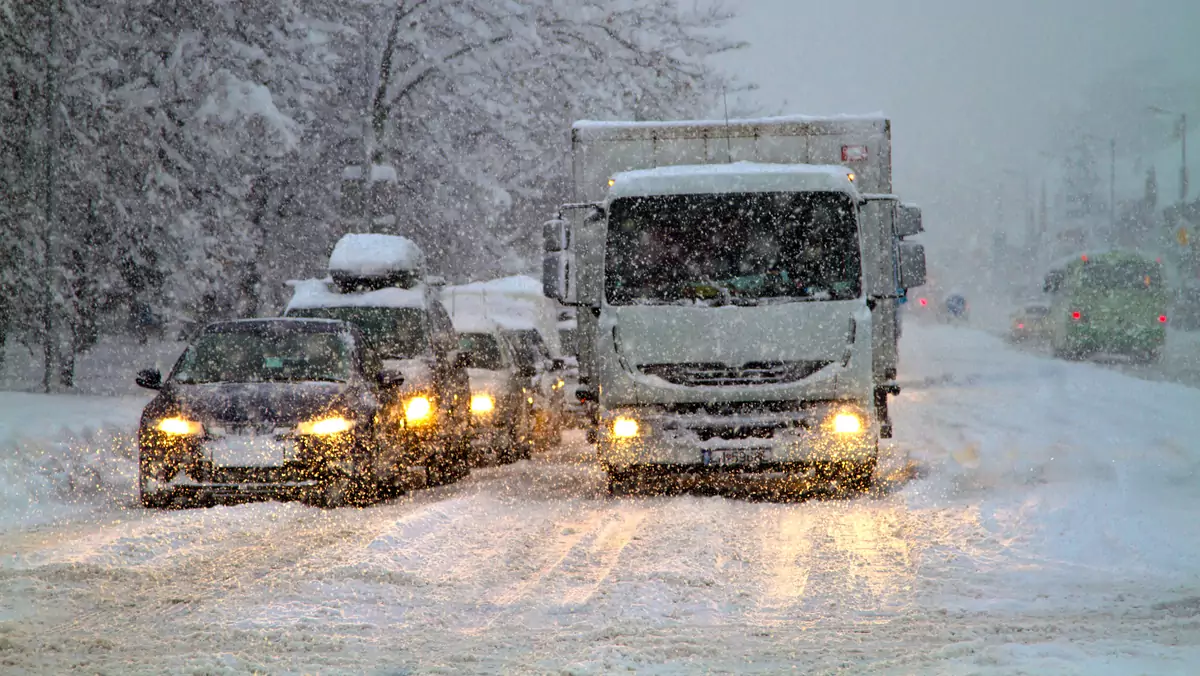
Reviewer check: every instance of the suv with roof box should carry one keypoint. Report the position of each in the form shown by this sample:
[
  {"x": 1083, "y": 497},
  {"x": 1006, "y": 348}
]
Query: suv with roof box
[{"x": 378, "y": 283}]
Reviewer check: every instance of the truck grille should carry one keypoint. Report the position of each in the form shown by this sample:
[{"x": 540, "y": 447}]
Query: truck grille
[{"x": 723, "y": 375}]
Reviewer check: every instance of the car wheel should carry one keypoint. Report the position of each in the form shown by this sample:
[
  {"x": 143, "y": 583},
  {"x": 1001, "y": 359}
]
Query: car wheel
[
  {"x": 621, "y": 482},
  {"x": 150, "y": 496},
  {"x": 448, "y": 465}
]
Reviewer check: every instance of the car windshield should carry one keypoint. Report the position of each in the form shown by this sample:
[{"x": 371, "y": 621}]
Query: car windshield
[
  {"x": 1037, "y": 311},
  {"x": 483, "y": 349},
  {"x": 1126, "y": 275},
  {"x": 394, "y": 333},
  {"x": 257, "y": 354},
  {"x": 742, "y": 248}
]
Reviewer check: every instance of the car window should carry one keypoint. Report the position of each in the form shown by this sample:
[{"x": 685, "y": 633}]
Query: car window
[
  {"x": 394, "y": 333},
  {"x": 257, "y": 355},
  {"x": 483, "y": 349}
]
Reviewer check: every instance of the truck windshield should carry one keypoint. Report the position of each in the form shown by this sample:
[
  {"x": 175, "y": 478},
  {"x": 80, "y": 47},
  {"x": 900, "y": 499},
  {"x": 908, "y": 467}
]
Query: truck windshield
[{"x": 742, "y": 248}]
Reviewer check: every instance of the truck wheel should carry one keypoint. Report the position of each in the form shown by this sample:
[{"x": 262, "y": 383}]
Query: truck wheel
[{"x": 849, "y": 477}]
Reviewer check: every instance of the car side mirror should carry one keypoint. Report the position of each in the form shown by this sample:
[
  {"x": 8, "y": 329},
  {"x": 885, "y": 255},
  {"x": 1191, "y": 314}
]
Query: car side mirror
[
  {"x": 558, "y": 364},
  {"x": 462, "y": 360},
  {"x": 586, "y": 394},
  {"x": 150, "y": 379},
  {"x": 389, "y": 378},
  {"x": 526, "y": 370}
]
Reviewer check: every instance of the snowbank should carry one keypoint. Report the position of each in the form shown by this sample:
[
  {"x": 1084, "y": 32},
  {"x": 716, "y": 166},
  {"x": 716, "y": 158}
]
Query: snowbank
[
  {"x": 1073, "y": 463},
  {"x": 370, "y": 255},
  {"x": 62, "y": 454},
  {"x": 512, "y": 303}
]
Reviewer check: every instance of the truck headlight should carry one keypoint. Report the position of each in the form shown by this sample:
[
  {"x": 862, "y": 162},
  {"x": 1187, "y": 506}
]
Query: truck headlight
[
  {"x": 418, "y": 410},
  {"x": 325, "y": 426},
  {"x": 625, "y": 428},
  {"x": 482, "y": 403},
  {"x": 179, "y": 426},
  {"x": 847, "y": 423}
]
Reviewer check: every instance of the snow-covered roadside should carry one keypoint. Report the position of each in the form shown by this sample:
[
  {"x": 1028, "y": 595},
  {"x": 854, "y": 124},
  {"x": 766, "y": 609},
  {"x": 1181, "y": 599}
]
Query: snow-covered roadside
[
  {"x": 65, "y": 455},
  {"x": 1084, "y": 482}
]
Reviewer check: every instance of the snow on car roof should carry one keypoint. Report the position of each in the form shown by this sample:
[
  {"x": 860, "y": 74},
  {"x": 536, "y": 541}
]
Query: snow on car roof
[
  {"x": 373, "y": 255},
  {"x": 690, "y": 179},
  {"x": 315, "y": 293},
  {"x": 299, "y": 323}
]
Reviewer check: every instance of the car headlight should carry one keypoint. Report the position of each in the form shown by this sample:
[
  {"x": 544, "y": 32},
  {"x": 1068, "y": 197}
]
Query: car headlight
[
  {"x": 179, "y": 426},
  {"x": 482, "y": 403},
  {"x": 418, "y": 410},
  {"x": 325, "y": 426},
  {"x": 847, "y": 423},
  {"x": 625, "y": 428}
]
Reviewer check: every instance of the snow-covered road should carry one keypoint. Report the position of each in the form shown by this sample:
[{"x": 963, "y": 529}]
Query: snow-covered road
[{"x": 1052, "y": 528}]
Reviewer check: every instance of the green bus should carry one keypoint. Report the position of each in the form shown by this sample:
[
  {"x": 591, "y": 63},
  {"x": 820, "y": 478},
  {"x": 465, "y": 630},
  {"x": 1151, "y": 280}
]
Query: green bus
[{"x": 1113, "y": 302}]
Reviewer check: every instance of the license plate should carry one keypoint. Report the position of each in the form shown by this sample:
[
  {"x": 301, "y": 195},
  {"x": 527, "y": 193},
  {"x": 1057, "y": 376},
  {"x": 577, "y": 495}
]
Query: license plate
[
  {"x": 249, "y": 451},
  {"x": 734, "y": 456}
]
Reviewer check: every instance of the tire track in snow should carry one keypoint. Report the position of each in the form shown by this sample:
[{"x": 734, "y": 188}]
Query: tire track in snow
[
  {"x": 786, "y": 557},
  {"x": 605, "y": 552}
]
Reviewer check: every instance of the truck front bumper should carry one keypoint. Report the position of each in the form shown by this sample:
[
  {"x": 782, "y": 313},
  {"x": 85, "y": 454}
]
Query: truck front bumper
[{"x": 756, "y": 441}]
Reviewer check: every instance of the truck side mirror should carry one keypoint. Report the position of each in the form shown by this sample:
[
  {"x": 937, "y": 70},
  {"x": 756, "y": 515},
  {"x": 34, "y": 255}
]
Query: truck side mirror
[
  {"x": 554, "y": 235},
  {"x": 908, "y": 220},
  {"x": 912, "y": 265},
  {"x": 555, "y": 275}
]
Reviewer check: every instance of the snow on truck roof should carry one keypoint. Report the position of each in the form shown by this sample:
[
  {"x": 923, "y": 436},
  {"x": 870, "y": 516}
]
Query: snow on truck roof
[
  {"x": 732, "y": 177},
  {"x": 316, "y": 293},
  {"x": 593, "y": 128},
  {"x": 373, "y": 255}
]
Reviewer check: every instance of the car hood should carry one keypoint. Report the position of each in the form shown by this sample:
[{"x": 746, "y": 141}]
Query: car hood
[
  {"x": 248, "y": 403},
  {"x": 487, "y": 380}
]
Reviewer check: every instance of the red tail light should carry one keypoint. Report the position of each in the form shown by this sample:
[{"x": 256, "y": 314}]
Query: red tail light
[
  {"x": 1162, "y": 319},
  {"x": 1020, "y": 326},
  {"x": 924, "y": 302},
  {"x": 1077, "y": 315}
]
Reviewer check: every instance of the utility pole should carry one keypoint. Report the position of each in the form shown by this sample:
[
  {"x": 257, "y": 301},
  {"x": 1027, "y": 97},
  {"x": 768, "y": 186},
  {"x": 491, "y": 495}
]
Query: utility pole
[
  {"x": 1183, "y": 168},
  {"x": 50, "y": 352},
  {"x": 1112, "y": 186}
]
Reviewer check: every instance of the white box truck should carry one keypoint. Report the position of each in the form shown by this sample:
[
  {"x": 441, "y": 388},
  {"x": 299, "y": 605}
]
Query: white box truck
[{"x": 737, "y": 285}]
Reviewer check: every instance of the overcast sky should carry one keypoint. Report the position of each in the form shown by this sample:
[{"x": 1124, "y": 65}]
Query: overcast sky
[{"x": 974, "y": 87}]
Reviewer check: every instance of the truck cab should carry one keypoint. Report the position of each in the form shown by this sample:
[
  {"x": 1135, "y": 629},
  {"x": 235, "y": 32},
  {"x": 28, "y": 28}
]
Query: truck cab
[{"x": 736, "y": 316}]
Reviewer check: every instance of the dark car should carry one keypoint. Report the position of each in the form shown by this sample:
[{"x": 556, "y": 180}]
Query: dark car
[
  {"x": 427, "y": 406},
  {"x": 501, "y": 396},
  {"x": 277, "y": 407},
  {"x": 545, "y": 378}
]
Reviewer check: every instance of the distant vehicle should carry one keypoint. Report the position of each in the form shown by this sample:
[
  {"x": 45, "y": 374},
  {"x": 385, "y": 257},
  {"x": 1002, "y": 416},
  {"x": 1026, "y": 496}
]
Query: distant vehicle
[
  {"x": 277, "y": 407},
  {"x": 547, "y": 387},
  {"x": 503, "y": 418},
  {"x": 1031, "y": 324},
  {"x": 377, "y": 283},
  {"x": 1113, "y": 302},
  {"x": 955, "y": 309}
]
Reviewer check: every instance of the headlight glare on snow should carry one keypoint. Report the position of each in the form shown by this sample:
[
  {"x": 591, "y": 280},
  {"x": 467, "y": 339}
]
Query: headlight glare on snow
[
  {"x": 418, "y": 411},
  {"x": 179, "y": 426},
  {"x": 625, "y": 428},
  {"x": 847, "y": 423},
  {"x": 482, "y": 403},
  {"x": 326, "y": 426}
]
